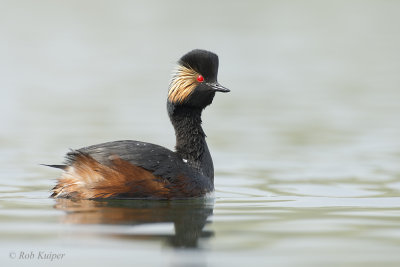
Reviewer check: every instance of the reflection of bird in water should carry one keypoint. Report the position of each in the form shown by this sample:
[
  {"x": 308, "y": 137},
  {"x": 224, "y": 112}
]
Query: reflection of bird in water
[
  {"x": 132, "y": 169},
  {"x": 188, "y": 216}
]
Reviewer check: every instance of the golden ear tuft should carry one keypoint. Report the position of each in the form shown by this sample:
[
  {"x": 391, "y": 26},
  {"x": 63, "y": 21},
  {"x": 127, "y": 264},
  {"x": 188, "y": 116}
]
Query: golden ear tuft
[{"x": 183, "y": 83}]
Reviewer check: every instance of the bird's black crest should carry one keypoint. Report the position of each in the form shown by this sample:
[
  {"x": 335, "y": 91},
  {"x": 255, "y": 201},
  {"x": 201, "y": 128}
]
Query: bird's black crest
[{"x": 202, "y": 61}]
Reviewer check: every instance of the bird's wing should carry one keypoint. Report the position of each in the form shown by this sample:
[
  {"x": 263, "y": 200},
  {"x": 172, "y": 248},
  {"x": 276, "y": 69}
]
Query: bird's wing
[{"x": 154, "y": 158}]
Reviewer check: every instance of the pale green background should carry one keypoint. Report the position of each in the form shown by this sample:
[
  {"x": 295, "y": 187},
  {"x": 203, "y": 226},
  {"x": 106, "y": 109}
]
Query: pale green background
[{"x": 306, "y": 146}]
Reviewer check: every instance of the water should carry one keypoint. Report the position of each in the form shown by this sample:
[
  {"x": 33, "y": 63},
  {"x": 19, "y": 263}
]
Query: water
[{"x": 306, "y": 146}]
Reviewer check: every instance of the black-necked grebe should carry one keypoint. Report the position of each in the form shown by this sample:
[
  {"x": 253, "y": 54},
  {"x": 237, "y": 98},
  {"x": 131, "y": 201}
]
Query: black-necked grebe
[{"x": 133, "y": 169}]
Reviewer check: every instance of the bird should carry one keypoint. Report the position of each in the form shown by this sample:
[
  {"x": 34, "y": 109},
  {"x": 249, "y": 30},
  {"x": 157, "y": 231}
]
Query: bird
[{"x": 129, "y": 169}]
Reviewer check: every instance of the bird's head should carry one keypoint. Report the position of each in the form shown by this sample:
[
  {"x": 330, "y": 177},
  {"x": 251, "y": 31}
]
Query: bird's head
[{"x": 194, "y": 82}]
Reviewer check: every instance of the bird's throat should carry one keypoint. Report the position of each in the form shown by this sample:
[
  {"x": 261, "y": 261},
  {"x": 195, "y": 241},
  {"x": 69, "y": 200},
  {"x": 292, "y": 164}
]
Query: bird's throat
[{"x": 191, "y": 143}]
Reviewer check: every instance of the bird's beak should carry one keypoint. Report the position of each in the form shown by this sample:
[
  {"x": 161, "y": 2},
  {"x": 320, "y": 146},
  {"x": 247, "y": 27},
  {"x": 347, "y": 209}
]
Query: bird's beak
[{"x": 219, "y": 88}]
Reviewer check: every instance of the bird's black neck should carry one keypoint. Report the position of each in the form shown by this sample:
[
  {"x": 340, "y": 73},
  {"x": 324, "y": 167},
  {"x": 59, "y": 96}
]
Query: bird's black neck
[{"x": 191, "y": 143}]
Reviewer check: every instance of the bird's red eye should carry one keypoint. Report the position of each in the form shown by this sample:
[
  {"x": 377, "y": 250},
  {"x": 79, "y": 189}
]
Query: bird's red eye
[{"x": 200, "y": 78}]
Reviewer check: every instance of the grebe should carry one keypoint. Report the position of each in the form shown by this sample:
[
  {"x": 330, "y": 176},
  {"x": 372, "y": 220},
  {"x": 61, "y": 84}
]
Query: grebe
[{"x": 133, "y": 169}]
